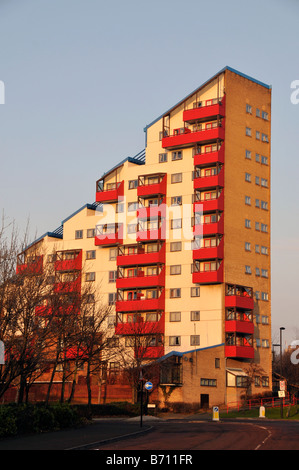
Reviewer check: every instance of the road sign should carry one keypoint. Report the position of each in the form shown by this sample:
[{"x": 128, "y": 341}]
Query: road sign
[
  {"x": 2, "y": 360},
  {"x": 282, "y": 385},
  {"x": 148, "y": 386},
  {"x": 281, "y": 393},
  {"x": 215, "y": 413}
]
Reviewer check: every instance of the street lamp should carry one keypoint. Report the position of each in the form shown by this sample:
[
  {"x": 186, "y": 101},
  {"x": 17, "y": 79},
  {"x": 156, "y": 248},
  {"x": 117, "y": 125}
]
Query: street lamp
[{"x": 281, "y": 400}]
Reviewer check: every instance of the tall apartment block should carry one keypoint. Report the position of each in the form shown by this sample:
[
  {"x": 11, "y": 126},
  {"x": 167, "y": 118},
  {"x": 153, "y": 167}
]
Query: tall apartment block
[{"x": 178, "y": 241}]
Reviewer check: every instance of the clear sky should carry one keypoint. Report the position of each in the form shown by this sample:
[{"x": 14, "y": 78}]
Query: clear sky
[{"x": 83, "y": 77}]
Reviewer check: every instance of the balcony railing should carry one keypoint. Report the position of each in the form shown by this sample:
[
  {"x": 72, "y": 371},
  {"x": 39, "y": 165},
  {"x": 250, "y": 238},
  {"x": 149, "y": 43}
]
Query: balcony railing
[
  {"x": 140, "y": 327},
  {"x": 208, "y": 228},
  {"x": 137, "y": 303},
  {"x": 187, "y": 138},
  {"x": 208, "y": 205},
  {"x": 68, "y": 260},
  {"x": 207, "y": 155},
  {"x": 141, "y": 254},
  {"x": 208, "y": 181},
  {"x": 239, "y": 296},
  {"x": 151, "y": 185},
  {"x": 209, "y": 252},
  {"x": 111, "y": 193},
  {"x": 239, "y": 346},
  {"x": 29, "y": 265},
  {"x": 108, "y": 234},
  {"x": 140, "y": 279},
  {"x": 202, "y": 111},
  {"x": 209, "y": 276},
  {"x": 151, "y": 230}
]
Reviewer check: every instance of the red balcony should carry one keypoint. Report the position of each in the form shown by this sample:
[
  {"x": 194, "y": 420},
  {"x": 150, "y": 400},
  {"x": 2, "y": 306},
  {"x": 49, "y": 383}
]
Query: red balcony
[
  {"x": 141, "y": 280},
  {"x": 152, "y": 185},
  {"x": 68, "y": 286},
  {"x": 114, "y": 192},
  {"x": 210, "y": 252},
  {"x": 44, "y": 311},
  {"x": 30, "y": 266},
  {"x": 209, "y": 181},
  {"x": 239, "y": 297},
  {"x": 151, "y": 352},
  {"x": 238, "y": 326},
  {"x": 140, "y": 328},
  {"x": 208, "y": 158},
  {"x": 208, "y": 277},
  {"x": 209, "y": 111},
  {"x": 209, "y": 228},
  {"x": 141, "y": 257},
  {"x": 209, "y": 205},
  {"x": 110, "y": 234},
  {"x": 140, "y": 304},
  {"x": 68, "y": 261},
  {"x": 190, "y": 138},
  {"x": 242, "y": 352}
]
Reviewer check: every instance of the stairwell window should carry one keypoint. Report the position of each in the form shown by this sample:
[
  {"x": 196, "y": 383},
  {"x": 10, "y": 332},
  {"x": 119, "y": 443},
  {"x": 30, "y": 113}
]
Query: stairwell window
[
  {"x": 177, "y": 155},
  {"x": 194, "y": 340},
  {"x": 174, "y": 340},
  {"x": 175, "y": 316},
  {"x": 90, "y": 277},
  {"x": 175, "y": 293},
  {"x": 78, "y": 234}
]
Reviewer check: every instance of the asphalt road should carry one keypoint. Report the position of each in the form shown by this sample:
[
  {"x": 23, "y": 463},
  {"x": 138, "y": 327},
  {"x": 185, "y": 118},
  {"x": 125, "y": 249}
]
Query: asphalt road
[{"x": 194, "y": 433}]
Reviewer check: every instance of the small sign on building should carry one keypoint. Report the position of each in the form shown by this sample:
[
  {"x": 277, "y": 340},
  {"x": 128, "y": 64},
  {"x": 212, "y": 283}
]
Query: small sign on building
[
  {"x": 282, "y": 385},
  {"x": 2, "y": 359}
]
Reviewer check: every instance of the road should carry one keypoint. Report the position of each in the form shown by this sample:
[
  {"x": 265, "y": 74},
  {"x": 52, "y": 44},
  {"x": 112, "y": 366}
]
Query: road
[{"x": 196, "y": 435}]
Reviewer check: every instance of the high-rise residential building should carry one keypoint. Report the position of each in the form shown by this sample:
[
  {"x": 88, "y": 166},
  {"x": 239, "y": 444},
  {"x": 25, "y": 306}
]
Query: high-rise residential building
[{"x": 178, "y": 241}]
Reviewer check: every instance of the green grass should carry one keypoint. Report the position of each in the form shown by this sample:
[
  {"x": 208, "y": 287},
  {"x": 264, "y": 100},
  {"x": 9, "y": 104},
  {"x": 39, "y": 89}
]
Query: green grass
[{"x": 271, "y": 413}]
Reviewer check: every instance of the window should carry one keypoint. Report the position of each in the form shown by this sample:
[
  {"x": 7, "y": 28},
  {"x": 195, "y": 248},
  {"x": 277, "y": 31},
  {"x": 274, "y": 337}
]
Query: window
[
  {"x": 247, "y": 246},
  {"x": 176, "y": 178},
  {"x": 195, "y": 291},
  {"x": 175, "y": 293},
  {"x": 90, "y": 233},
  {"x": 264, "y": 250},
  {"x": 265, "y": 381},
  {"x": 248, "y": 177},
  {"x": 132, "y": 206},
  {"x": 162, "y": 157},
  {"x": 257, "y": 248},
  {"x": 248, "y": 154},
  {"x": 90, "y": 276},
  {"x": 248, "y": 200},
  {"x": 265, "y": 320},
  {"x": 257, "y": 180},
  {"x": 257, "y": 271},
  {"x": 248, "y": 131},
  {"x": 176, "y": 201},
  {"x": 133, "y": 184},
  {"x": 257, "y": 157},
  {"x": 175, "y": 269},
  {"x": 112, "y": 298},
  {"x": 257, "y": 226},
  {"x": 257, "y": 135},
  {"x": 265, "y": 296},
  {"x": 264, "y": 182},
  {"x": 265, "y": 115},
  {"x": 247, "y": 270},
  {"x": 265, "y": 343},
  {"x": 78, "y": 234},
  {"x": 258, "y": 113},
  {"x": 248, "y": 109},
  {"x": 91, "y": 254},
  {"x": 247, "y": 223},
  {"x": 175, "y": 316},
  {"x": 111, "y": 321},
  {"x": 194, "y": 340},
  {"x": 208, "y": 382},
  {"x": 176, "y": 223},
  {"x": 175, "y": 246},
  {"x": 264, "y": 160},
  {"x": 264, "y": 228},
  {"x": 112, "y": 276},
  {"x": 174, "y": 340},
  {"x": 132, "y": 228},
  {"x": 195, "y": 316},
  {"x": 264, "y": 205},
  {"x": 265, "y": 138},
  {"x": 112, "y": 254},
  {"x": 217, "y": 363},
  {"x": 257, "y": 295},
  {"x": 177, "y": 155},
  {"x": 264, "y": 272},
  {"x": 119, "y": 208}
]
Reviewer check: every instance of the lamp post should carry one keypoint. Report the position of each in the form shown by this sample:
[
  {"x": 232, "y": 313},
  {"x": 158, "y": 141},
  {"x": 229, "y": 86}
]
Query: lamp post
[{"x": 281, "y": 399}]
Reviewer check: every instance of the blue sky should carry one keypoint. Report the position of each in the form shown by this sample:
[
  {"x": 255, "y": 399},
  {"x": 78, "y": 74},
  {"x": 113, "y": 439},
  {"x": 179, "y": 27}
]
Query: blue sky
[{"x": 72, "y": 69}]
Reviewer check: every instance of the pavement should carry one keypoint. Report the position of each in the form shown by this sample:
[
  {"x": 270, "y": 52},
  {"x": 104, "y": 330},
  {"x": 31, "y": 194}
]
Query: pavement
[{"x": 99, "y": 431}]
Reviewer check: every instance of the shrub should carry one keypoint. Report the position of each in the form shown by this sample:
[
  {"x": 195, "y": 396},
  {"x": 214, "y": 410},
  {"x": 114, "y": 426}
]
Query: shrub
[{"x": 8, "y": 425}]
